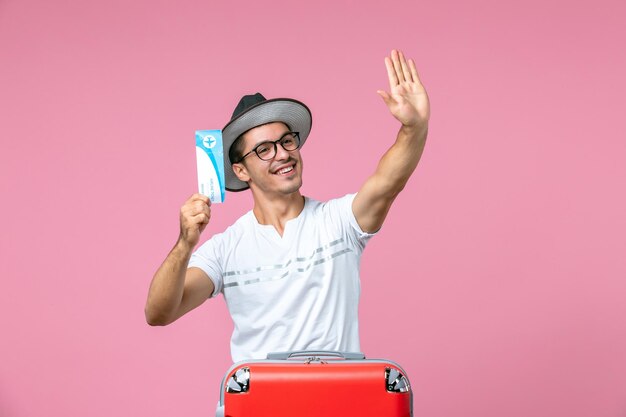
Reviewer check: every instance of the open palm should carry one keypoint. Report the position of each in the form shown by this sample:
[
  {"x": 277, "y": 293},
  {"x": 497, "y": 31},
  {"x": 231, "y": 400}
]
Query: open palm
[{"x": 407, "y": 100}]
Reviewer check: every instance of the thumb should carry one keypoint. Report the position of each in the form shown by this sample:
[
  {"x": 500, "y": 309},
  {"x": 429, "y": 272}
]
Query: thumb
[{"x": 385, "y": 96}]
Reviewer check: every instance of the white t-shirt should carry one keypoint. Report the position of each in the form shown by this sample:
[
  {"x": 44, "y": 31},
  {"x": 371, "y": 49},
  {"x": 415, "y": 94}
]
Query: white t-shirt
[{"x": 295, "y": 292}]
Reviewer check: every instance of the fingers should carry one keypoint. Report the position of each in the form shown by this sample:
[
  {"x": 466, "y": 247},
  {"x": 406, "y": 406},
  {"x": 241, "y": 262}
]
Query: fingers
[
  {"x": 400, "y": 70},
  {"x": 195, "y": 214},
  {"x": 406, "y": 73},
  {"x": 196, "y": 205},
  {"x": 391, "y": 73},
  {"x": 199, "y": 197},
  {"x": 396, "y": 59},
  {"x": 202, "y": 218},
  {"x": 414, "y": 73},
  {"x": 397, "y": 67}
]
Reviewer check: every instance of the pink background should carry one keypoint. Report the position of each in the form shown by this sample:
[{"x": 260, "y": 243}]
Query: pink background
[{"x": 498, "y": 281}]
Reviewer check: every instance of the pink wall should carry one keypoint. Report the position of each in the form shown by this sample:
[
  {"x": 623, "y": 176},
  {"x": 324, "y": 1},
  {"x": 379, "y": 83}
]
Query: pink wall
[{"x": 498, "y": 280}]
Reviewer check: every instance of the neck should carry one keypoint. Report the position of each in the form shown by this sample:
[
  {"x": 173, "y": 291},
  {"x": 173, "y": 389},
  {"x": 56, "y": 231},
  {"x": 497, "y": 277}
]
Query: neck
[{"x": 277, "y": 210}]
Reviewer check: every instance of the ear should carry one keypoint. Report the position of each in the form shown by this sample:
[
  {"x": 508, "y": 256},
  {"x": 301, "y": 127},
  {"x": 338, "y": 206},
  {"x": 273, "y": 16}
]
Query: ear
[{"x": 241, "y": 172}]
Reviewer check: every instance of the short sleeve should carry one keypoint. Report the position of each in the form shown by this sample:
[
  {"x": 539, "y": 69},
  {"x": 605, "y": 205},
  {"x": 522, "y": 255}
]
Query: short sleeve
[
  {"x": 208, "y": 258},
  {"x": 343, "y": 208}
]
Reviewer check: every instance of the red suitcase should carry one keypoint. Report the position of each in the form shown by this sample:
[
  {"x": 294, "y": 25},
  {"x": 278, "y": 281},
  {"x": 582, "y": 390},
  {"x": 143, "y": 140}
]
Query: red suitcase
[{"x": 315, "y": 383}]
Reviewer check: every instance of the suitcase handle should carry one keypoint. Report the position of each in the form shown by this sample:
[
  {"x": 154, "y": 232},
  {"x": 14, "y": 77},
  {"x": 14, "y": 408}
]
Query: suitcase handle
[{"x": 308, "y": 353}]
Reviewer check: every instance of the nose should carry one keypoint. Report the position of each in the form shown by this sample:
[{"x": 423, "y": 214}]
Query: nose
[{"x": 281, "y": 153}]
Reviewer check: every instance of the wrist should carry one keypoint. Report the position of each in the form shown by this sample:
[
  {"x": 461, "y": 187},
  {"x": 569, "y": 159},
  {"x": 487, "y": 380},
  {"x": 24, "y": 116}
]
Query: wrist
[
  {"x": 418, "y": 132},
  {"x": 184, "y": 246},
  {"x": 414, "y": 129}
]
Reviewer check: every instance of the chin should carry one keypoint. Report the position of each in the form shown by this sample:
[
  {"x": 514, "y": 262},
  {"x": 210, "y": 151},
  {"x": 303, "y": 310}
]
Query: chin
[
  {"x": 281, "y": 189},
  {"x": 292, "y": 188}
]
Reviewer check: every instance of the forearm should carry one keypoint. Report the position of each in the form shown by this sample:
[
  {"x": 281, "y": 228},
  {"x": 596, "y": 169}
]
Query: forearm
[
  {"x": 167, "y": 287},
  {"x": 374, "y": 199},
  {"x": 399, "y": 162}
]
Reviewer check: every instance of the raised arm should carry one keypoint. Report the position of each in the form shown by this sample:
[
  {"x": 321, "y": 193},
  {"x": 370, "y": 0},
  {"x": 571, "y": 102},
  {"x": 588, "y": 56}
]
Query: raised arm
[
  {"x": 176, "y": 290},
  {"x": 408, "y": 102}
]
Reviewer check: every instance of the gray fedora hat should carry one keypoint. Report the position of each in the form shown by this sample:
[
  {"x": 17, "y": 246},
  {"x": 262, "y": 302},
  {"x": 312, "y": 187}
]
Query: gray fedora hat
[{"x": 255, "y": 110}]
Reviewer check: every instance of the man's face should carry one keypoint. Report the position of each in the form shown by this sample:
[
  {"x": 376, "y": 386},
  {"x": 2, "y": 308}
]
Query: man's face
[{"x": 280, "y": 175}]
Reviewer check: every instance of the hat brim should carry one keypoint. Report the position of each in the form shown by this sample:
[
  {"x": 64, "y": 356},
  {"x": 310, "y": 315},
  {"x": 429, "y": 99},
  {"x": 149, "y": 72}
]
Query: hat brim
[{"x": 291, "y": 112}]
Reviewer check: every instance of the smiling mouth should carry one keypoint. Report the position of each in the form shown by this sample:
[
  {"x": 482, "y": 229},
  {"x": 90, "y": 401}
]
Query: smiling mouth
[{"x": 285, "y": 170}]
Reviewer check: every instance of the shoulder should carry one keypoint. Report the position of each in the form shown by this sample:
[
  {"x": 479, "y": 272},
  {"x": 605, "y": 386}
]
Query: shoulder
[
  {"x": 338, "y": 213},
  {"x": 334, "y": 204},
  {"x": 242, "y": 224},
  {"x": 341, "y": 206},
  {"x": 335, "y": 212}
]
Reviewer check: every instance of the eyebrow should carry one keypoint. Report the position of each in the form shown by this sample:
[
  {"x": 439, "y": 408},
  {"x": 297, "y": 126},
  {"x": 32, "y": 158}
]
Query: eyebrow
[{"x": 270, "y": 140}]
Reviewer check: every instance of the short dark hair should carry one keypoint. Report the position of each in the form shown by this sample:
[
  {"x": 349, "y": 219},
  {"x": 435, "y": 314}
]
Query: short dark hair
[{"x": 236, "y": 150}]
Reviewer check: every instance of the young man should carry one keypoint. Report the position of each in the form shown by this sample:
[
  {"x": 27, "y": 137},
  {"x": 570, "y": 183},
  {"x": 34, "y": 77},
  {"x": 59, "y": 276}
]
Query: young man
[{"x": 289, "y": 268}]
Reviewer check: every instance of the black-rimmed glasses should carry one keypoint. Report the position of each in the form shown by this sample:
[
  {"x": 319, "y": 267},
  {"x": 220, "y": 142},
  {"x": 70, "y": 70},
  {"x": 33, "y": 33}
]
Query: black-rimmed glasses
[{"x": 290, "y": 141}]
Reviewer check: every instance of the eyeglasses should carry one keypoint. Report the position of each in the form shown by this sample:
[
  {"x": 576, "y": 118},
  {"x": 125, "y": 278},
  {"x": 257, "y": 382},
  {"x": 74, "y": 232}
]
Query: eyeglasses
[{"x": 290, "y": 141}]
